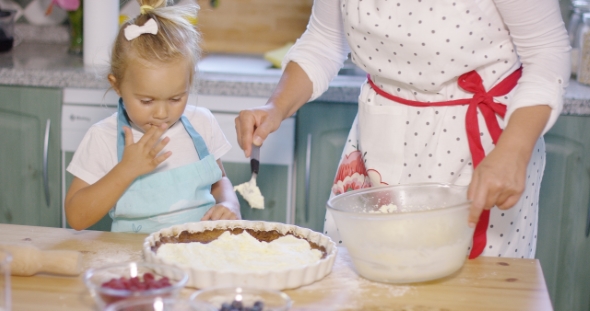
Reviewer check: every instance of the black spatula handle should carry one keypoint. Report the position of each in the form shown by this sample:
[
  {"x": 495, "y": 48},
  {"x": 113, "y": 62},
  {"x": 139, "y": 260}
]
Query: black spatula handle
[{"x": 255, "y": 159}]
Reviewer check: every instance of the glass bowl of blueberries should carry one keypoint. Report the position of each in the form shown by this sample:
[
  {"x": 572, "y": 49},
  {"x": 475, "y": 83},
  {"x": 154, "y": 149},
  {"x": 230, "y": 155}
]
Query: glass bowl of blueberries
[
  {"x": 158, "y": 304},
  {"x": 242, "y": 299},
  {"x": 133, "y": 280}
]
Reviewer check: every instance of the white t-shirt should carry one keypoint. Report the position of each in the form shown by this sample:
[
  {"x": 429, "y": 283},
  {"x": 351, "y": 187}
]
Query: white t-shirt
[{"x": 97, "y": 153}]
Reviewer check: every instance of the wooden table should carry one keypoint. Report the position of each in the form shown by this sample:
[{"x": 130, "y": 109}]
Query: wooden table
[{"x": 485, "y": 283}]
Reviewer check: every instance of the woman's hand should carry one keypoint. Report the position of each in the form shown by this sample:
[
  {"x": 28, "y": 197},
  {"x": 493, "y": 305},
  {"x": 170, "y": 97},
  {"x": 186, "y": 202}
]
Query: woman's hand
[
  {"x": 499, "y": 180},
  {"x": 253, "y": 126},
  {"x": 144, "y": 156},
  {"x": 293, "y": 91}
]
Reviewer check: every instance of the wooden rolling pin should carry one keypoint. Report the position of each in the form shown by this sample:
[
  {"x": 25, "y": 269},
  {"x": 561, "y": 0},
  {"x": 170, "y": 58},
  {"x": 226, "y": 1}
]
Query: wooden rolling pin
[{"x": 28, "y": 260}]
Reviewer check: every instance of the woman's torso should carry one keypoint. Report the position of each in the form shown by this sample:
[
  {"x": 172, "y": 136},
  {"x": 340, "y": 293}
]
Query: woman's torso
[{"x": 417, "y": 49}]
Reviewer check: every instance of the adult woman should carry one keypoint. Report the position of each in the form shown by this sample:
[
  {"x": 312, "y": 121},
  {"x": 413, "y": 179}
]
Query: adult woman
[{"x": 445, "y": 78}]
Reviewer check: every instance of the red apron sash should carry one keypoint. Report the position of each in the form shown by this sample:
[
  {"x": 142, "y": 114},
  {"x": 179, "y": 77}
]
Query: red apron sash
[{"x": 484, "y": 100}]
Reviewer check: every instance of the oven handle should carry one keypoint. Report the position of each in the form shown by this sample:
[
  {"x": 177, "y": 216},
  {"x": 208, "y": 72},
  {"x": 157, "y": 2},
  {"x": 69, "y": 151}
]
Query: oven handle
[
  {"x": 45, "y": 156},
  {"x": 588, "y": 215},
  {"x": 307, "y": 175}
]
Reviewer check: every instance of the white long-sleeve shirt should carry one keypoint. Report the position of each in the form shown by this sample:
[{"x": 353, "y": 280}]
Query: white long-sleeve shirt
[{"x": 534, "y": 27}]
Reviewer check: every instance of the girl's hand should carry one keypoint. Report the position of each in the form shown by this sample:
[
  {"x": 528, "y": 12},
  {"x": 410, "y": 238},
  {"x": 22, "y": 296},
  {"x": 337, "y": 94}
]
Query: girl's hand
[
  {"x": 499, "y": 180},
  {"x": 143, "y": 157},
  {"x": 220, "y": 212},
  {"x": 253, "y": 126}
]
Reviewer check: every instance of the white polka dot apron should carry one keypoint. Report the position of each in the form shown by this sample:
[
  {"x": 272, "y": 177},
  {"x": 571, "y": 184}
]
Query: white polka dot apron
[{"x": 414, "y": 52}]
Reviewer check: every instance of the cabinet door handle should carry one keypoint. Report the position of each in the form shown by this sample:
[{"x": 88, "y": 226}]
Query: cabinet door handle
[
  {"x": 45, "y": 156},
  {"x": 588, "y": 215},
  {"x": 307, "y": 175}
]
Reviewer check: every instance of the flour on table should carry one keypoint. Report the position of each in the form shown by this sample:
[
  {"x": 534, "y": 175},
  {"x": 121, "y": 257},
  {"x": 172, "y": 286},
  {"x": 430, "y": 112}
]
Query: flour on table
[
  {"x": 104, "y": 253},
  {"x": 346, "y": 279}
]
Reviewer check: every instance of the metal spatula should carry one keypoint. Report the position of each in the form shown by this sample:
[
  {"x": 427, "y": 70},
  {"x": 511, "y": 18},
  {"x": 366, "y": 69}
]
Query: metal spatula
[{"x": 255, "y": 161}]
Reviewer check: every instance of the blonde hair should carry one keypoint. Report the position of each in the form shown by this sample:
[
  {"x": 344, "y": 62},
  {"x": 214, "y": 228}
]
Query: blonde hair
[{"x": 177, "y": 37}]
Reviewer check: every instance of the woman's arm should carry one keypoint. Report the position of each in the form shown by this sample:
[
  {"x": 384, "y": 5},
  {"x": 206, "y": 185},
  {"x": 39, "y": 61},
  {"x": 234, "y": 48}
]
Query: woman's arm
[
  {"x": 86, "y": 204},
  {"x": 309, "y": 66},
  {"x": 322, "y": 48},
  {"x": 542, "y": 44},
  {"x": 541, "y": 41},
  {"x": 226, "y": 205}
]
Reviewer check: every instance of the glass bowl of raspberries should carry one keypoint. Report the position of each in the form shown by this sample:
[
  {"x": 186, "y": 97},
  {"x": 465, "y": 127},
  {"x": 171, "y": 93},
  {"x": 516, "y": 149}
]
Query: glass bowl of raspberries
[
  {"x": 242, "y": 299},
  {"x": 133, "y": 280}
]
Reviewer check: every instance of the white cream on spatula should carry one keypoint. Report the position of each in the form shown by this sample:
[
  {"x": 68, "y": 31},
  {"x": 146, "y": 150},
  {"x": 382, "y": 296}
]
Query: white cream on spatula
[
  {"x": 251, "y": 193},
  {"x": 249, "y": 190}
]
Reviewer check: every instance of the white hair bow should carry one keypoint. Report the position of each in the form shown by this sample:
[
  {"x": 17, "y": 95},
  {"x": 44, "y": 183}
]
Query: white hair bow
[{"x": 134, "y": 31}]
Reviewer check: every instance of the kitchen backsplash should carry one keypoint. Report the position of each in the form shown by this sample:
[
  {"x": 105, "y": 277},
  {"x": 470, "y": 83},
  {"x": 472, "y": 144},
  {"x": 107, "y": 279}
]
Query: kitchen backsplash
[
  {"x": 252, "y": 26},
  {"x": 244, "y": 26}
]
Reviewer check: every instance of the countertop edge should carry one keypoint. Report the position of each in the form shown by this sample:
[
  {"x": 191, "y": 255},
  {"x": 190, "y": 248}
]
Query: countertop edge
[{"x": 576, "y": 100}]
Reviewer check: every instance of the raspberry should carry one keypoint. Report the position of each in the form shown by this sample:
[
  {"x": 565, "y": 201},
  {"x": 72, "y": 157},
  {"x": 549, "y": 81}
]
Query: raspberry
[
  {"x": 134, "y": 284},
  {"x": 147, "y": 281},
  {"x": 148, "y": 277}
]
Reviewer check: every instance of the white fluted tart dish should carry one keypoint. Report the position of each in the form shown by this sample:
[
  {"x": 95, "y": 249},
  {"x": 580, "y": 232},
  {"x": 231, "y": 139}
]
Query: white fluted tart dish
[{"x": 256, "y": 254}]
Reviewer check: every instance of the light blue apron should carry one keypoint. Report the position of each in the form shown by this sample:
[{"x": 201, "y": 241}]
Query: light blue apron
[{"x": 159, "y": 200}]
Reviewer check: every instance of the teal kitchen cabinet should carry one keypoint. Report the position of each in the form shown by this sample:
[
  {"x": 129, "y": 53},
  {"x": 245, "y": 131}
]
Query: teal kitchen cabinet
[
  {"x": 273, "y": 184},
  {"x": 563, "y": 244},
  {"x": 321, "y": 132},
  {"x": 30, "y": 156}
]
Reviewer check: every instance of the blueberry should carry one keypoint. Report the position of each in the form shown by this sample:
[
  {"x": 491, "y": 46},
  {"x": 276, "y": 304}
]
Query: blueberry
[
  {"x": 237, "y": 305},
  {"x": 258, "y": 306}
]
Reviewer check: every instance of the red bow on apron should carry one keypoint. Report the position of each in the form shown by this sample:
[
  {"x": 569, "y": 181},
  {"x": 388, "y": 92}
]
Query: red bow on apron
[{"x": 484, "y": 100}]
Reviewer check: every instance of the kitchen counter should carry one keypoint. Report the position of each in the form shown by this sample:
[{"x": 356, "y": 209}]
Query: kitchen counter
[
  {"x": 41, "y": 60},
  {"x": 486, "y": 283}
]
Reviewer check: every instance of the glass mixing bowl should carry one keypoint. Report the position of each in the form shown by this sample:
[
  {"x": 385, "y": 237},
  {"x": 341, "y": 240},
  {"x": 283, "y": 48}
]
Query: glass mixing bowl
[
  {"x": 404, "y": 233},
  {"x": 231, "y": 298}
]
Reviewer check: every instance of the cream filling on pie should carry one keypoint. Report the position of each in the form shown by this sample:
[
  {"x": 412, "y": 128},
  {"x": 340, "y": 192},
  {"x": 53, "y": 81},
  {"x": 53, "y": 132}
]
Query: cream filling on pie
[{"x": 241, "y": 253}]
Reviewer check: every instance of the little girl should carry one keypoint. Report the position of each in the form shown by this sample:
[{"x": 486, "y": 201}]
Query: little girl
[{"x": 123, "y": 166}]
